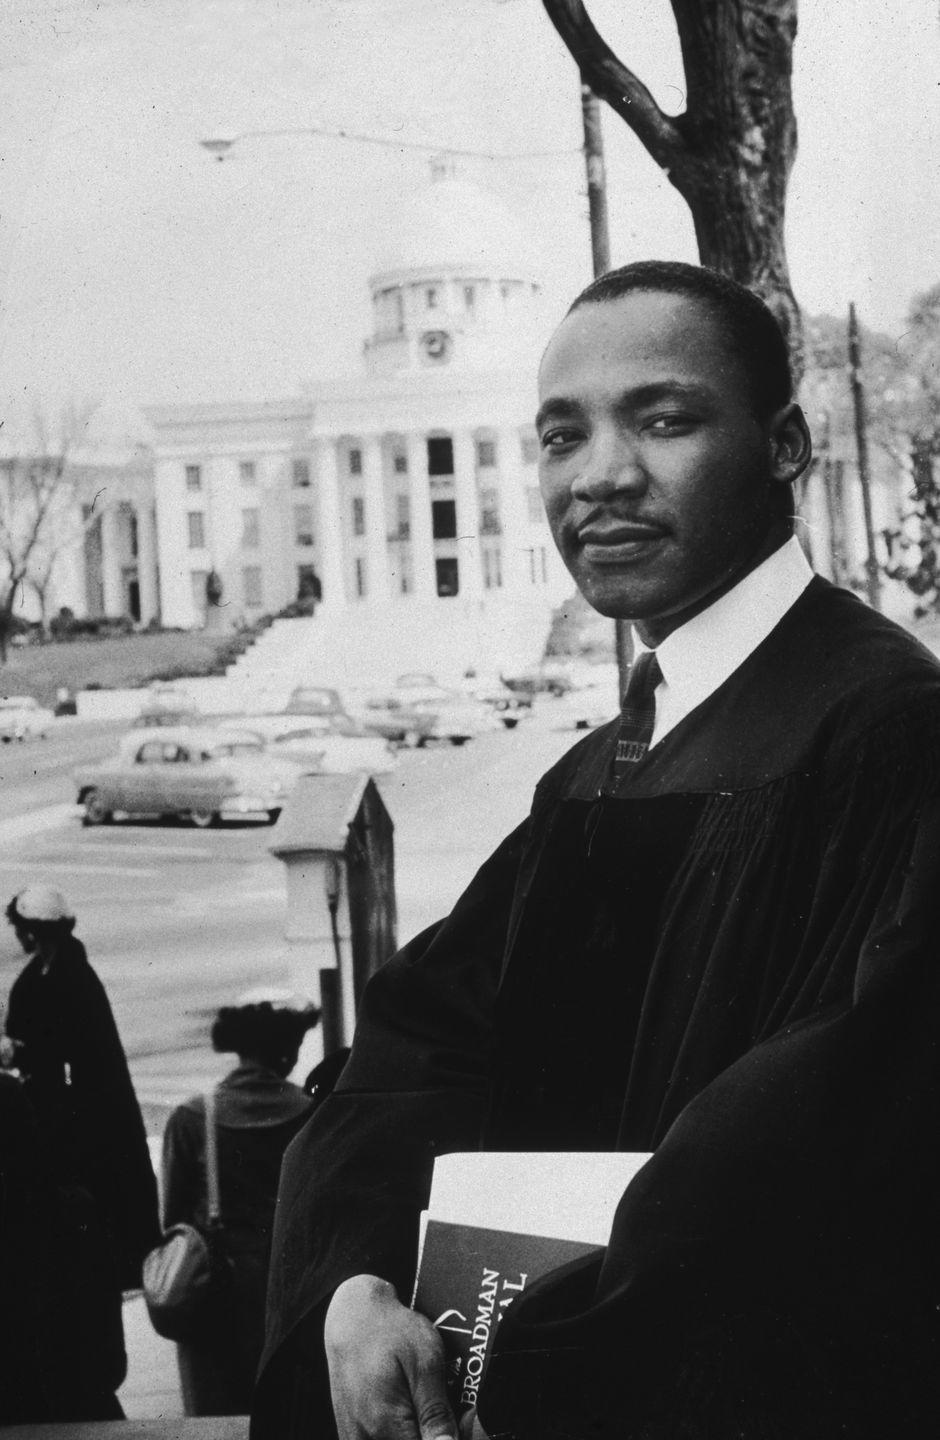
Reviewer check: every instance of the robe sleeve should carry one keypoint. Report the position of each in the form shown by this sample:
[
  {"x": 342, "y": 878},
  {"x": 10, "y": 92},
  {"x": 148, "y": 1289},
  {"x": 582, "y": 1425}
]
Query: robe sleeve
[
  {"x": 774, "y": 1270},
  {"x": 183, "y": 1169},
  {"x": 416, "y": 1085}
]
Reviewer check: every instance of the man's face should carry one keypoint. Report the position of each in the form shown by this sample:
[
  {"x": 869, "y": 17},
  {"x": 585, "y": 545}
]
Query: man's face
[{"x": 659, "y": 480}]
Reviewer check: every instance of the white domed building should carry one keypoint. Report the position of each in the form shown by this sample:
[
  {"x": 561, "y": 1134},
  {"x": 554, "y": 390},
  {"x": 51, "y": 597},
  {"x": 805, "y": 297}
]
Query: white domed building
[{"x": 409, "y": 491}]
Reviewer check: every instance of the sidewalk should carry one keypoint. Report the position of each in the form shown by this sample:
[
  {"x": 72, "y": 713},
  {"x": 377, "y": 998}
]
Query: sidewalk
[{"x": 151, "y": 1390}]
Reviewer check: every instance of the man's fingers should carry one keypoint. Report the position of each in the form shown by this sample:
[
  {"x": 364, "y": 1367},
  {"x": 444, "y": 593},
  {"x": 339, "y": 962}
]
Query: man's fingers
[{"x": 429, "y": 1397}]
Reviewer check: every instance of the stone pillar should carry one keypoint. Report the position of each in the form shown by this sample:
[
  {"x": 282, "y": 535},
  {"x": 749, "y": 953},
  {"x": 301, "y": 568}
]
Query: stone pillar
[
  {"x": 422, "y": 537},
  {"x": 373, "y": 484},
  {"x": 514, "y": 509},
  {"x": 331, "y": 548},
  {"x": 147, "y": 569},
  {"x": 112, "y": 585},
  {"x": 468, "y": 516}
]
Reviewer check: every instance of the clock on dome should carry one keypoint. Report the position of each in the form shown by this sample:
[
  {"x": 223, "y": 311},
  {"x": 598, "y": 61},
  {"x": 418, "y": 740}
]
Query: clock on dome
[{"x": 436, "y": 345}]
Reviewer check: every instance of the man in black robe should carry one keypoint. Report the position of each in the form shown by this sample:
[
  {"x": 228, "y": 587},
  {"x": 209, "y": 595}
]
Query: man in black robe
[{"x": 715, "y": 942}]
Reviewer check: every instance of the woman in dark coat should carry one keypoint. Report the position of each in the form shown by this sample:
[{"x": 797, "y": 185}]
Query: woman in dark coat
[
  {"x": 66, "y": 1046},
  {"x": 258, "y": 1113}
]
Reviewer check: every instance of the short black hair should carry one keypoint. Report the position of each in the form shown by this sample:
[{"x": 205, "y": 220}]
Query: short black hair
[
  {"x": 749, "y": 325},
  {"x": 267, "y": 1032}
]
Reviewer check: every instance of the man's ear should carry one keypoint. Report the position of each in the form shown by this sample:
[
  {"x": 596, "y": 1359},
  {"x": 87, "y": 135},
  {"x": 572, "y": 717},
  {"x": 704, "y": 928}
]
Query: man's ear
[{"x": 791, "y": 443}]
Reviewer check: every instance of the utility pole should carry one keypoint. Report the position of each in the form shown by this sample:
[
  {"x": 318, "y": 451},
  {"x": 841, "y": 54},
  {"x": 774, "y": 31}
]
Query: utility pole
[
  {"x": 872, "y": 579},
  {"x": 600, "y": 255}
]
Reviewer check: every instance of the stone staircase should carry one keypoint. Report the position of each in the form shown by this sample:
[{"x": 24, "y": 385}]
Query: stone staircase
[{"x": 365, "y": 647}]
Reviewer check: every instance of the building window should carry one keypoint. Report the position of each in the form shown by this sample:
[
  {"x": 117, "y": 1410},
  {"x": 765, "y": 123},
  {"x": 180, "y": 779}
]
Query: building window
[
  {"x": 486, "y": 454},
  {"x": 358, "y": 515},
  {"x": 444, "y": 521},
  {"x": 193, "y": 478},
  {"x": 251, "y": 529},
  {"x": 300, "y": 474},
  {"x": 448, "y": 582},
  {"x": 530, "y": 448},
  {"x": 303, "y": 525},
  {"x": 505, "y": 290},
  {"x": 470, "y": 297},
  {"x": 134, "y": 534},
  {"x": 196, "y": 522},
  {"x": 403, "y": 517},
  {"x": 308, "y": 583},
  {"x": 440, "y": 455},
  {"x": 360, "y": 570},
  {"x": 355, "y": 462},
  {"x": 400, "y": 463},
  {"x": 197, "y": 582},
  {"x": 543, "y": 560},
  {"x": 431, "y": 297},
  {"x": 533, "y": 500},
  {"x": 489, "y": 511},
  {"x": 405, "y": 583},
  {"x": 247, "y": 473},
  {"x": 492, "y": 569},
  {"x": 251, "y": 586}
]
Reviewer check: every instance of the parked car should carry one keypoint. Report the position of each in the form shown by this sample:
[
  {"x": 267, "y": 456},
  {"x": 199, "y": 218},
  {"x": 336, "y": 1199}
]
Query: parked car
[
  {"x": 395, "y": 720},
  {"x": 508, "y": 705},
  {"x": 166, "y": 705},
  {"x": 549, "y": 678},
  {"x": 312, "y": 744},
  {"x": 593, "y": 700},
  {"x": 450, "y": 715},
  {"x": 324, "y": 703},
  {"x": 205, "y": 774},
  {"x": 22, "y": 717}
]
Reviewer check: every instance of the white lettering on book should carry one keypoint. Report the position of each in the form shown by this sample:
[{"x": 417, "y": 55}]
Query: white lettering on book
[{"x": 487, "y": 1304}]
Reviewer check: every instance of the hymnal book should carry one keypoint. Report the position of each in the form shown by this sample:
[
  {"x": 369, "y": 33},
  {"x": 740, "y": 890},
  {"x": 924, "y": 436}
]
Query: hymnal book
[{"x": 495, "y": 1222}]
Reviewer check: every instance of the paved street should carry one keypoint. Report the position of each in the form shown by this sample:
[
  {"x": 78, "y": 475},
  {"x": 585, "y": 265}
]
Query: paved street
[{"x": 179, "y": 920}]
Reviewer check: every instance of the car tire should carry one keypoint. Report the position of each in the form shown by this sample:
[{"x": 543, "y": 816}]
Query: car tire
[
  {"x": 96, "y": 811},
  {"x": 510, "y": 721},
  {"x": 203, "y": 819},
  {"x": 459, "y": 739}
]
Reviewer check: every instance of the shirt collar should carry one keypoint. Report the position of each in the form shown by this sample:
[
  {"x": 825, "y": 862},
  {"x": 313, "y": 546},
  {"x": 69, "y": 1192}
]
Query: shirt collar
[{"x": 700, "y": 655}]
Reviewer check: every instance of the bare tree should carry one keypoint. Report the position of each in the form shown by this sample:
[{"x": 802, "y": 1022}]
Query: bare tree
[
  {"x": 37, "y": 510},
  {"x": 730, "y": 153}
]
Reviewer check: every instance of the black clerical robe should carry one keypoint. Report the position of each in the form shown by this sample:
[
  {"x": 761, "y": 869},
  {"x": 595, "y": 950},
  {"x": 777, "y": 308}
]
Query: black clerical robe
[{"x": 731, "y": 962}]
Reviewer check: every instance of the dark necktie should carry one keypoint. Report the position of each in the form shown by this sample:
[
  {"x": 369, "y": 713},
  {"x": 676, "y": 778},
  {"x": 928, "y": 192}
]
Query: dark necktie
[{"x": 638, "y": 713}]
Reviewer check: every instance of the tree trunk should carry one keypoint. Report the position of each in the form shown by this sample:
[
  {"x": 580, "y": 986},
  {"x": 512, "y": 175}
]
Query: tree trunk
[{"x": 731, "y": 152}]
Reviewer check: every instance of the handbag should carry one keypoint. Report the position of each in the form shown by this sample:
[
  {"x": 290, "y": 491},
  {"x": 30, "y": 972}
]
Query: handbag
[{"x": 185, "y": 1277}]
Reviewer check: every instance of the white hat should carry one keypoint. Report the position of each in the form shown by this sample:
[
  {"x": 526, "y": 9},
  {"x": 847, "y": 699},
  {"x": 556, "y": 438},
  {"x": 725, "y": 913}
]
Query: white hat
[{"x": 41, "y": 902}]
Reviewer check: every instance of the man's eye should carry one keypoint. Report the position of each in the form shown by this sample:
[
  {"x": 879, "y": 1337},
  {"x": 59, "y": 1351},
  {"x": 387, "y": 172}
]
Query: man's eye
[
  {"x": 675, "y": 423},
  {"x": 559, "y": 437}
]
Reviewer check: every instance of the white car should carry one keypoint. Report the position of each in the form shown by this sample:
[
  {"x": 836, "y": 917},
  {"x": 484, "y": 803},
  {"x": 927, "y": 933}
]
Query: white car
[
  {"x": 313, "y": 744},
  {"x": 22, "y": 717}
]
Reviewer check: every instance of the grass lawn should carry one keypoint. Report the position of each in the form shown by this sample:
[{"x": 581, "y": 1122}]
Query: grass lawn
[{"x": 119, "y": 663}]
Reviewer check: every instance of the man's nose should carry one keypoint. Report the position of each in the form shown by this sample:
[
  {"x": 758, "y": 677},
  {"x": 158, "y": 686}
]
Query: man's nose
[{"x": 611, "y": 466}]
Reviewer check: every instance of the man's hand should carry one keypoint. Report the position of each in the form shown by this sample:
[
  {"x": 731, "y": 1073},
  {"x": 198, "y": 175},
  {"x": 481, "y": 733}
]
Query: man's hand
[{"x": 386, "y": 1366}]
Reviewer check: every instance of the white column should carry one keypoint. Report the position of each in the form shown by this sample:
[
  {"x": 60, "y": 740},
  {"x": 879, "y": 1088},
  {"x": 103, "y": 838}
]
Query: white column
[
  {"x": 331, "y": 549},
  {"x": 113, "y": 590},
  {"x": 424, "y": 574},
  {"x": 470, "y": 575},
  {"x": 376, "y": 522},
  {"x": 514, "y": 509},
  {"x": 147, "y": 564}
]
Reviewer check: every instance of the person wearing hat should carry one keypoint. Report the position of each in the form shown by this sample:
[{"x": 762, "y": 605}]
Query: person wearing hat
[
  {"x": 62, "y": 1038},
  {"x": 258, "y": 1111}
]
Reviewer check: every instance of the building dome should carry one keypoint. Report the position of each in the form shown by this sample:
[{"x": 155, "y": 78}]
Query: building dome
[{"x": 452, "y": 225}]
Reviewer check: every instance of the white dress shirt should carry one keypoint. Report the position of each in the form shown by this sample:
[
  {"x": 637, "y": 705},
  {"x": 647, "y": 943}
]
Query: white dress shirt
[{"x": 700, "y": 655}]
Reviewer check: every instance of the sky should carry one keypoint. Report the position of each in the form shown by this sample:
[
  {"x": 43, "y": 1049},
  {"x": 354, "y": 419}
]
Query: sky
[{"x": 134, "y": 268}]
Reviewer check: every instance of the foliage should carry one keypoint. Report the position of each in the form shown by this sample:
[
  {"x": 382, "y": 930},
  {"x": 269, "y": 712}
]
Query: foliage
[
  {"x": 914, "y": 546},
  {"x": 37, "y": 488}
]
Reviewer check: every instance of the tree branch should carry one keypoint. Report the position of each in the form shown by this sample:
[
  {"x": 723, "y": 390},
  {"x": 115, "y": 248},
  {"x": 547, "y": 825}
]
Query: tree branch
[{"x": 610, "y": 79}]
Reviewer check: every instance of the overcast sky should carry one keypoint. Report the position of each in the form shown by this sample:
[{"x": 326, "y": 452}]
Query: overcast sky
[{"x": 134, "y": 267}]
